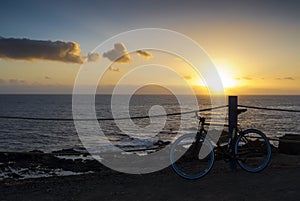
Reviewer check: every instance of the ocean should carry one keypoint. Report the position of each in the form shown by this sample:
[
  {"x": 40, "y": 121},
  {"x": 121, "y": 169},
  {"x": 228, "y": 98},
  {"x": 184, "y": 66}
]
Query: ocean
[{"x": 48, "y": 136}]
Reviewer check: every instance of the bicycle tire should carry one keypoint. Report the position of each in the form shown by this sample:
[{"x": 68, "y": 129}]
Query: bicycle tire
[
  {"x": 204, "y": 168},
  {"x": 252, "y": 150}
]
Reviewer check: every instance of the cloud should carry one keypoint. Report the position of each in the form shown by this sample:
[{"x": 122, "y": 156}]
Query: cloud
[
  {"x": 187, "y": 77},
  {"x": 144, "y": 53},
  {"x": 93, "y": 57},
  {"x": 244, "y": 78},
  {"x": 27, "y": 49},
  {"x": 289, "y": 78},
  {"x": 115, "y": 69},
  {"x": 247, "y": 78},
  {"x": 12, "y": 82},
  {"x": 15, "y": 86},
  {"x": 118, "y": 54},
  {"x": 16, "y": 81},
  {"x": 285, "y": 78}
]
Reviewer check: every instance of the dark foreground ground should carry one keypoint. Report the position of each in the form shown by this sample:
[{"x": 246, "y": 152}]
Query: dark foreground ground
[{"x": 280, "y": 181}]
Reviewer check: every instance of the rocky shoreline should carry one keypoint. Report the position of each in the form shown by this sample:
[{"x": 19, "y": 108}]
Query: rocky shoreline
[
  {"x": 280, "y": 181},
  {"x": 66, "y": 162},
  {"x": 35, "y": 164}
]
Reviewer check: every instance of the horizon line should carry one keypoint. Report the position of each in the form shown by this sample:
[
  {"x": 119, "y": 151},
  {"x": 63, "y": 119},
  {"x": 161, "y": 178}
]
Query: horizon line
[{"x": 69, "y": 94}]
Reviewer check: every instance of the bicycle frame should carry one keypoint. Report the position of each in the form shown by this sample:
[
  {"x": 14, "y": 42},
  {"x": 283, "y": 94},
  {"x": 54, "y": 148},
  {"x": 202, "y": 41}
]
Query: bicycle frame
[{"x": 226, "y": 153}]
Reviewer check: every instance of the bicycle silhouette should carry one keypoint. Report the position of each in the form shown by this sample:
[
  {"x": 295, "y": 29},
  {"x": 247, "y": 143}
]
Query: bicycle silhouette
[{"x": 192, "y": 156}]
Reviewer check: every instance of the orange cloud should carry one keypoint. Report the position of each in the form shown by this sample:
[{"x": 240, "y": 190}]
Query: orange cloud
[
  {"x": 144, "y": 53},
  {"x": 115, "y": 69}
]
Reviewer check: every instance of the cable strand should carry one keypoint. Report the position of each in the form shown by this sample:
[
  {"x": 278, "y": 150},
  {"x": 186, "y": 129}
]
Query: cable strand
[
  {"x": 110, "y": 119},
  {"x": 143, "y": 117},
  {"x": 265, "y": 108}
]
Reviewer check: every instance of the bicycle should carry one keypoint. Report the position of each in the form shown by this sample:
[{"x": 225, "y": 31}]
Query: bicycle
[{"x": 192, "y": 156}]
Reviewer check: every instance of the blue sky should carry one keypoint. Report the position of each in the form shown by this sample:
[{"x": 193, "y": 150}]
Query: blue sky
[
  {"x": 253, "y": 37},
  {"x": 86, "y": 21}
]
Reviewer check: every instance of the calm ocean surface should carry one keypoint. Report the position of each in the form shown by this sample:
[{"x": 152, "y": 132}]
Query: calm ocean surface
[{"x": 24, "y": 135}]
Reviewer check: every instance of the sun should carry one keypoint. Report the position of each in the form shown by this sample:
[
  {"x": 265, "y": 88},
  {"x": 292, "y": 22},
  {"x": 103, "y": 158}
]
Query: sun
[
  {"x": 226, "y": 74},
  {"x": 224, "y": 70}
]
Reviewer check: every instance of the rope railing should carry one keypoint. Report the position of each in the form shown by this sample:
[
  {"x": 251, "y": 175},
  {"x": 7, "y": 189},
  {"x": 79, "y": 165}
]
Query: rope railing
[
  {"x": 143, "y": 117},
  {"x": 111, "y": 119},
  {"x": 266, "y": 108}
]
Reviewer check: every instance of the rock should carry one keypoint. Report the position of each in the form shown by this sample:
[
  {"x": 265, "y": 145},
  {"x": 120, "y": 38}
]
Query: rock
[
  {"x": 161, "y": 143},
  {"x": 36, "y": 151},
  {"x": 289, "y": 144},
  {"x": 15, "y": 175},
  {"x": 67, "y": 152}
]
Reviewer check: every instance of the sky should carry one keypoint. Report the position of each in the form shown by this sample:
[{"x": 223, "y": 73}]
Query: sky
[{"x": 254, "y": 44}]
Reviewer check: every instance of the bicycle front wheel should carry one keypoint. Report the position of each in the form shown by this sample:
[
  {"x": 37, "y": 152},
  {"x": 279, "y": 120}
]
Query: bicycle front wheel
[
  {"x": 253, "y": 150},
  {"x": 192, "y": 158}
]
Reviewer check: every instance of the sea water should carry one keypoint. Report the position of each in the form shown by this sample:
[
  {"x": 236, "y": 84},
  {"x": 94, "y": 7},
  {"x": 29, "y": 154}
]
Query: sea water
[{"x": 47, "y": 136}]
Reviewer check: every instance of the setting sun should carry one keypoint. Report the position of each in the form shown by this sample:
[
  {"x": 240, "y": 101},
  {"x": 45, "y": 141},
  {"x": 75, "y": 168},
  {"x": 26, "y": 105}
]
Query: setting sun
[{"x": 226, "y": 74}]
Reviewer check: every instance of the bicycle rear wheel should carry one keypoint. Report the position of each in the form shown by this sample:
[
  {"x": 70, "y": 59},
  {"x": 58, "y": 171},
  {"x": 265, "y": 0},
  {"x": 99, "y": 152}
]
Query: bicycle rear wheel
[
  {"x": 253, "y": 150},
  {"x": 192, "y": 159}
]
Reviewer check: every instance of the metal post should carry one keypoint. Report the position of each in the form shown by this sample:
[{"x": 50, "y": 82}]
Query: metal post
[{"x": 232, "y": 122}]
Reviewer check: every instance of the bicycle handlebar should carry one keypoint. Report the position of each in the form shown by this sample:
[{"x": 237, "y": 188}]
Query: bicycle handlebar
[{"x": 202, "y": 119}]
